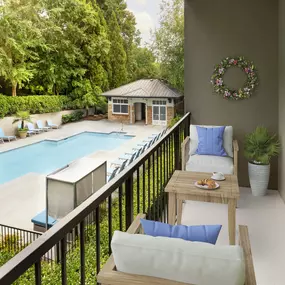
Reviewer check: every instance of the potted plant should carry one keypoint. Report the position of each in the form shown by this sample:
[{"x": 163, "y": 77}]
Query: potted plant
[
  {"x": 22, "y": 116},
  {"x": 259, "y": 148}
]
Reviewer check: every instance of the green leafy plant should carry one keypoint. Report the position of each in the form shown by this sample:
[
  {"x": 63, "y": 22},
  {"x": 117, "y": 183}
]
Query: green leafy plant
[
  {"x": 260, "y": 146},
  {"x": 22, "y": 116},
  {"x": 74, "y": 117},
  {"x": 176, "y": 119}
]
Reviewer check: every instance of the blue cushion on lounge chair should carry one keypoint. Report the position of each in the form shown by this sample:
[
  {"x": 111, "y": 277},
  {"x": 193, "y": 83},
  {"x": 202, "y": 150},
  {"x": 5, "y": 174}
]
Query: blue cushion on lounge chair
[
  {"x": 40, "y": 220},
  {"x": 208, "y": 234}
]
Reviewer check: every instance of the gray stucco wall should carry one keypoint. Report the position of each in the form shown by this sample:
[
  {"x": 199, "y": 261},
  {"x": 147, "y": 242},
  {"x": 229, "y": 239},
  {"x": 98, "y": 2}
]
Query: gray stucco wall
[
  {"x": 217, "y": 29},
  {"x": 282, "y": 96}
]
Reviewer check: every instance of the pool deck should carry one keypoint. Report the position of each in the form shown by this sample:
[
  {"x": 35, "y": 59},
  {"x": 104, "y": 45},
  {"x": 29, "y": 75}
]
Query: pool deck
[{"x": 22, "y": 198}]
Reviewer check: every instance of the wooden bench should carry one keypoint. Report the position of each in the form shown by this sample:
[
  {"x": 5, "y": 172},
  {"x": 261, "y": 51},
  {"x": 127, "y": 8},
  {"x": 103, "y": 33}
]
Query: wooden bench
[{"x": 109, "y": 276}]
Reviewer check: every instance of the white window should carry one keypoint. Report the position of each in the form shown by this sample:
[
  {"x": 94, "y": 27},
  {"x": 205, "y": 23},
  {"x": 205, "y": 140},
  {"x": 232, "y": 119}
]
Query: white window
[{"x": 120, "y": 106}]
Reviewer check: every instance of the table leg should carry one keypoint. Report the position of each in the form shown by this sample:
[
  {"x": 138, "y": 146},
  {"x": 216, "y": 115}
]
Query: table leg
[
  {"x": 232, "y": 220},
  {"x": 171, "y": 208},
  {"x": 179, "y": 211}
]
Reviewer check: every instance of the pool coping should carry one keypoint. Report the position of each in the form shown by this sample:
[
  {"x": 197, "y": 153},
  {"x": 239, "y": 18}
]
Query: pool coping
[{"x": 67, "y": 137}]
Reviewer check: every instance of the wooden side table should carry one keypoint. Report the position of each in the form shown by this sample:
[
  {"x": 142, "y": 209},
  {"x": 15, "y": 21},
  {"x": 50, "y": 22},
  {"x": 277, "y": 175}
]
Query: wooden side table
[{"x": 181, "y": 187}]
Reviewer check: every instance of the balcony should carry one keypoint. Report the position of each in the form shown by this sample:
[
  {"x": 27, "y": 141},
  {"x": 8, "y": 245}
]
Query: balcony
[{"x": 74, "y": 250}]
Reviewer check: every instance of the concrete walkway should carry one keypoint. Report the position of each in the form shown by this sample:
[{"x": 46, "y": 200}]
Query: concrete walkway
[{"x": 22, "y": 198}]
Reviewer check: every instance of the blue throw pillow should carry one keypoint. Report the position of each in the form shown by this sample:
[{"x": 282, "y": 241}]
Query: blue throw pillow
[
  {"x": 210, "y": 141},
  {"x": 208, "y": 234}
]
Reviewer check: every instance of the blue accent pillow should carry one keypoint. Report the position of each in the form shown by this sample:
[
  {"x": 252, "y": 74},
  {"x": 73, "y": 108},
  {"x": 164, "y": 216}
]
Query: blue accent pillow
[
  {"x": 210, "y": 141},
  {"x": 208, "y": 234}
]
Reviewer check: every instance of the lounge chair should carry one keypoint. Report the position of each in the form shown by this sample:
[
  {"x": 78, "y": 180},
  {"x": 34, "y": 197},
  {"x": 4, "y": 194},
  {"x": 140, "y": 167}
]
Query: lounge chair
[
  {"x": 2, "y": 141},
  {"x": 112, "y": 174},
  {"x": 41, "y": 127},
  {"x": 33, "y": 129},
  {"x": 148, "y": 144},
  {"x": 129, "y": 160},
  {"x": 51, "y": 125},
  {"x": 8, "y": 138}
]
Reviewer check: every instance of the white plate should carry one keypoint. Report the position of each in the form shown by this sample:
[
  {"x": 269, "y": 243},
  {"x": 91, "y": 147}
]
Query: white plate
[
  {"x": 206, "y": 187},
  {"x": 218, "y": 179}
]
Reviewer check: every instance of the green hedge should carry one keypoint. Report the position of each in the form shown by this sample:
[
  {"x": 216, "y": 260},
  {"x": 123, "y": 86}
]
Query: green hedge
[
  {"x": 36, "y": 104},
  {"x": 74, "y": 117}
]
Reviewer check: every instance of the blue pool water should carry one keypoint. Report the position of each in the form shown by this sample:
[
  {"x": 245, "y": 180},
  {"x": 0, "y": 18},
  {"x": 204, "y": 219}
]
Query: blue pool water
[{"x": 47, "y": 156}]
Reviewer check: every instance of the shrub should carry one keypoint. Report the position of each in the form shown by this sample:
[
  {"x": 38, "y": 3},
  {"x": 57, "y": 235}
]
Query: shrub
[
  {"x": 3, "y": 106},
  {"x": 175, "y": 120},
  {"x": 73, "y": 117}
]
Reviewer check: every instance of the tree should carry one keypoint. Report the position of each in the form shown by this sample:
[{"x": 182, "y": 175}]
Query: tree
[
  {"x": 145, "y": 65},
  {"x": 19, "y": 38},
  {"x": 78, "y": 47},
  {"x": 168, "y": 43},
  {"x": 118, "y": 58}
]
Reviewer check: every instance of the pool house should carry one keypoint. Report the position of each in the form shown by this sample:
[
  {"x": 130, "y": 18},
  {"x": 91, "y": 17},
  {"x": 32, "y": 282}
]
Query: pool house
[{"x": 149, "y": 101}]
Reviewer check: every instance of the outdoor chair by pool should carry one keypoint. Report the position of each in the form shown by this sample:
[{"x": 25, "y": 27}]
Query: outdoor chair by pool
[
  {"x": 6, "y": 138},
  {"x": 113, "y": 174},
  {"x": 41, "y": 127},
  {"x": 1, "y": 141},
  {"x": 32, "y": 129},
  {"x": 51, "y": 125},
  {"x": 129, "y": 160}
]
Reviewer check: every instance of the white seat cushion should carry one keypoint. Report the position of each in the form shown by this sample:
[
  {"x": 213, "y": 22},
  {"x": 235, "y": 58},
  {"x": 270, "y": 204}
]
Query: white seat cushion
[
  {"x": 178, "y": 260},
  {"x": 210, "y": 163},
  {"x": 227, "y": 143}
]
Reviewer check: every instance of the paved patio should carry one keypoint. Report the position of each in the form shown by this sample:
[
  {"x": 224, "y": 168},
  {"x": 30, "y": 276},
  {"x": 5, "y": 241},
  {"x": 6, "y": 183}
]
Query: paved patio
[
  {"x": 265, "y": 218},
  {"x": 22, "y": 198}
]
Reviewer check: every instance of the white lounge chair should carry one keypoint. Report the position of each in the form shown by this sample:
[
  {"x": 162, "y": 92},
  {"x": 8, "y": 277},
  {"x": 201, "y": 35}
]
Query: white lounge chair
[
  {"x": 33, "y": 129},
  {"x": 2, "y": 141},
  {"x": 41, "y": 126},
  {"x": 51, "y": 125},
  {"x": 8, "y": 138}
]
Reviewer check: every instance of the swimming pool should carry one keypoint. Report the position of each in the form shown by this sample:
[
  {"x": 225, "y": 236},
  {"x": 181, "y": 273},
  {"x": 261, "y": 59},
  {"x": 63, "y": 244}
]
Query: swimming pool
[{"x": 46, "y": 156}]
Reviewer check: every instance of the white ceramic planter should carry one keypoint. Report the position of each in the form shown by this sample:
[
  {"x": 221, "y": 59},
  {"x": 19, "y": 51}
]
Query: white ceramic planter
[{"x": 258, "y": 178}]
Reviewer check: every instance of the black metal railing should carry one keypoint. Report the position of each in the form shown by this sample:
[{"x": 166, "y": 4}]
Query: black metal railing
[
  {"x": 139, "y": 188},
  {"x": 14, "y": 239}
]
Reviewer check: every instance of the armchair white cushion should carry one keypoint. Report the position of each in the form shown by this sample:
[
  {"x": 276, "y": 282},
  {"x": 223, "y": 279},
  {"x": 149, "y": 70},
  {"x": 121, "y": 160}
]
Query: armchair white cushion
[
  {"x": 178, "y": 260},
  {"x": 210, "y": 163}
]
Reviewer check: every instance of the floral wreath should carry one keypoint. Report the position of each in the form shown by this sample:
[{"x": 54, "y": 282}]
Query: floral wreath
[{"x": 243, "y": 93}]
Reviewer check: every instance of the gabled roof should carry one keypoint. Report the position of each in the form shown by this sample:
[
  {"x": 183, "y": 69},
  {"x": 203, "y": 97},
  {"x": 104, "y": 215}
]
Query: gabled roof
[{"x": 144, "y": 88}]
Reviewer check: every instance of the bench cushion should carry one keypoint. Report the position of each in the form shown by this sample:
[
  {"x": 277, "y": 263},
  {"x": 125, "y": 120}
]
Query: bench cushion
[
  {"x": 227, "y": 143},
  {"x": 210, "y": 163},
  {"x": 178, "y": 260},
  {"x": 40, "y": 220},
  {"x": 202, "y": 233}
]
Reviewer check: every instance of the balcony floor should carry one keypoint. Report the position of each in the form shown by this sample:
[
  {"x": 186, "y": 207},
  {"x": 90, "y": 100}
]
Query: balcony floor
[{"x": 265, "y": 218}]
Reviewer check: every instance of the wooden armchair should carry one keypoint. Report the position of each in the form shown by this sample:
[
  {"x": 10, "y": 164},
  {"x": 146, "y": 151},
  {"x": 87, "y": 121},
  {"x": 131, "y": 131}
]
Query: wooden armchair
[
  {"x": 109, "y": 276},
  {"x": 185, "y": 148}
]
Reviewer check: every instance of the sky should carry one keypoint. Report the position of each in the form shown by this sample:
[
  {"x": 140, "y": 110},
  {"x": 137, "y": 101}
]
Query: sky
[{"x": 147, "y": 15}]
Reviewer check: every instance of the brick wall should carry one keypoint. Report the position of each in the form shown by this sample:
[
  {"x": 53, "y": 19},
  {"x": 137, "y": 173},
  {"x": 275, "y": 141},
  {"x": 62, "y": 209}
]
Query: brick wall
[
  {"x": 170, "y": 114},
  {"x": 149, "y": 115},
  {"x": 116, "y": 117}
]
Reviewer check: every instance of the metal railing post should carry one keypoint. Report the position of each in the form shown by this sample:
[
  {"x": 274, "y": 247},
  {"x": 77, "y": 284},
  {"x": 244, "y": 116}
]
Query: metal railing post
[
  {"x": 129, "y": 201},
  {"x": 177, "y": 163}
]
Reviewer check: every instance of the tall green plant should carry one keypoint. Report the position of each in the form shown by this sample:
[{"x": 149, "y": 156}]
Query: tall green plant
[
  {"x": 260, "y": 146},
  {"x": 22, "y": 116}
]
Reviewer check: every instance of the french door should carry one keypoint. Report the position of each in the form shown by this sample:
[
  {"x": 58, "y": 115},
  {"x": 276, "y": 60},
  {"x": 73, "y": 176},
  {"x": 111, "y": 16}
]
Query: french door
[{"x": 159, "y": 113}]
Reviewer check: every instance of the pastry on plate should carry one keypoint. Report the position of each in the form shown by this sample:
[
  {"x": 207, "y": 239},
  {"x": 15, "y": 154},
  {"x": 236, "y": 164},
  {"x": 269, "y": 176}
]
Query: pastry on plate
[{"x": 207, "y": 182}]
